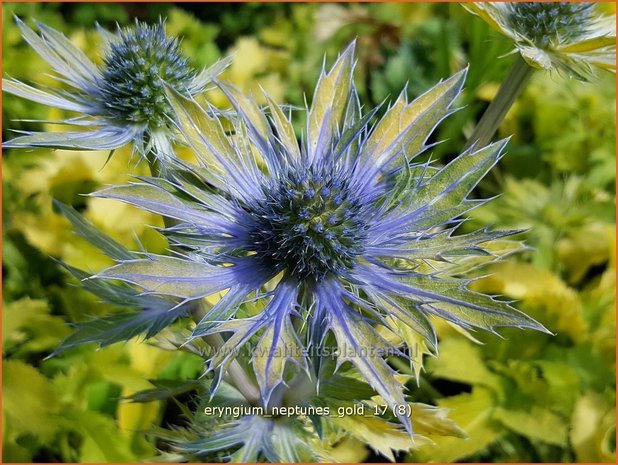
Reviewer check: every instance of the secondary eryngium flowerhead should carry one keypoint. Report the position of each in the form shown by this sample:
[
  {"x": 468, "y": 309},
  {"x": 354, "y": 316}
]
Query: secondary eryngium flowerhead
[
  {"x": 335, "y": 236},
  {"x": 121, "y": 101},
  {"x": 568, "y": 36}
]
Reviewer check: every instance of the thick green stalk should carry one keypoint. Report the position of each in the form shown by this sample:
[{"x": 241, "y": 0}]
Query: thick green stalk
[
  {"x": 235, "y": 373},
  {"x": 510, "y": 89}
]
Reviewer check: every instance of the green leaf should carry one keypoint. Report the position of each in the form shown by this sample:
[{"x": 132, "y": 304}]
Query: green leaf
[
  {"x": 337, "y": 386},
  {"x": 165, "y": 389},
  {"x": 102, "y": 441},
  {"x": 18, "y": 315}
]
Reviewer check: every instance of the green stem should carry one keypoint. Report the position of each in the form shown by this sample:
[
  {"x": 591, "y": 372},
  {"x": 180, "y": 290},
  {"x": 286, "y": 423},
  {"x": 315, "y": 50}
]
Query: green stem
[
  {"x": 235, "y": 373},
  {"x": 510, "y": 89}
]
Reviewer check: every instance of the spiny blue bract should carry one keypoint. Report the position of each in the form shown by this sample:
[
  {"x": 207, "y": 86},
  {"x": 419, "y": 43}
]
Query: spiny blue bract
[
  {"x": 338, "y": 235},
  {"x": 548, "y": 22},
  {"x": 120, "y": 102}
]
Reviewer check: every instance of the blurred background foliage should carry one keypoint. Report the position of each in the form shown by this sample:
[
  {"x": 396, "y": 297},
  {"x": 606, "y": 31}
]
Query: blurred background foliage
[{"x": 528, "y": 397}]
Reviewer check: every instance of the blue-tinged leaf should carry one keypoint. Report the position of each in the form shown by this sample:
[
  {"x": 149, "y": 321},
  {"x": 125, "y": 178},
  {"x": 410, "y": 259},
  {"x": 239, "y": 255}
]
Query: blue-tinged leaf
[
  {"x": 259, "y": 438},
  {"x": 359, "y": 343},
  {"x": 114, "y": 293},
  {"x": 155, "y": 315},
  {"x": 165, "y": 389},
  {"x": 450, "y": 186},
  {"x": 229, "y": 168},
  {"x": 289, "y": 445},
  {"x": 171, "y": 276},
  {"x": 48, "y": 98},
  {"x": 443, "y": 197},
  {"x": 454, "y": 302},
  {"x": 222, "y": 311},
  {"x": 449, "y": 299},
  {"x": 406, "y": 126},
  {"x": 330, "y": 102},
  {"x": 158, "y": 200},
  {"x": 245, "y": 430},
  {"x": 66, "y": 50},
  {"x": 406, "y": 312},
  {"x": 105, "y": 138},
  {"x": 284, "y": 129},
  {"x": 438, "y": 246},
  {"x": 66, "y": 59},
  {"x": 277, "y": 345},
  {"x": 97, "y": 238},
  {"x": 120, "y": 327},
  {"x": 255, "y": 121}
]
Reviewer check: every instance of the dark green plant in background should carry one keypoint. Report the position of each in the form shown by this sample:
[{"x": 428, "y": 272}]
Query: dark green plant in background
[{"x": 531, "y": 397}]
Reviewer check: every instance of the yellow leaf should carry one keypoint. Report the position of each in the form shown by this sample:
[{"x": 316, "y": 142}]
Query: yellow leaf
[
  {"x": 16, "y": 314},
  {"x": 448, "y": 364},
  {"x": 432, "y": 421},
  {"x": 536, "y": 423},
  {"x": 586, "y": 247},
  {"x": 147, "y": 362},
  {"x": 472, "y": 412},
  {"x": 349, "y": 450},
  {"x": 590, "y": 45},
  {"x": 593, "y": 429},
  {"x": 379, "y": 434},
  {"x": 29, "y": 401}
]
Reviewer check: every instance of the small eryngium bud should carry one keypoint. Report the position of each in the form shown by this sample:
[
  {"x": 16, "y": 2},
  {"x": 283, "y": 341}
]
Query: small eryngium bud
[{"x": 571, "y": 37}]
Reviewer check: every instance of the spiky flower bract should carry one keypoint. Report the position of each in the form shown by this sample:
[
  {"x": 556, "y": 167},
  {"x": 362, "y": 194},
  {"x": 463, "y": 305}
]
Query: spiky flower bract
[
  {"x": 123, "y": 100},
  {"x": 329, "y": 239},
  {"x": 568, "y": 36}
]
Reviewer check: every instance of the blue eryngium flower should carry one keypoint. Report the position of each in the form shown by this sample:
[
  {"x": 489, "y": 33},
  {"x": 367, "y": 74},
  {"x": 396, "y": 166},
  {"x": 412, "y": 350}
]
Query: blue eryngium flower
[
  {"x": 335, "y": 235},
  {"x": 119, "y": 102},
  {"x": 572, "y": 37}
]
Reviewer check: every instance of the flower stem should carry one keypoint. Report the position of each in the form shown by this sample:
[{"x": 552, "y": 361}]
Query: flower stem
[
  {"x": 510, "y": 89},
  {"x": 235, "y": 372}
]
